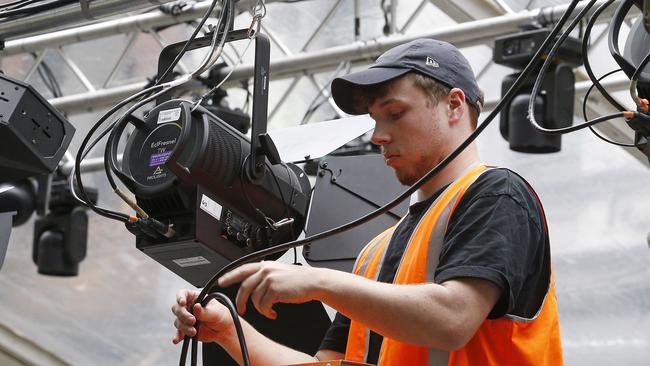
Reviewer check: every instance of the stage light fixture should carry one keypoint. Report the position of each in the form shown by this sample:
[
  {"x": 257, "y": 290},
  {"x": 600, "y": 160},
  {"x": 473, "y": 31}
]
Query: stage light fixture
[
  {"x": 554, "y": 103},
  {"x": 34, "y": 134},
  {"x": 211, "y": 194}
]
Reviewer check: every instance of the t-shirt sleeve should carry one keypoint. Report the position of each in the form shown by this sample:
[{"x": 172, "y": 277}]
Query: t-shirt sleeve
[
  {"x": 496, "y": 237},
  {"x": 336, "y": 337}
]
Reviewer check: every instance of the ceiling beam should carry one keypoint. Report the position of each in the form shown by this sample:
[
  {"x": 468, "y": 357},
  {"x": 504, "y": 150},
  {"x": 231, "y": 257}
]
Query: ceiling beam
[{"x": 466, "y": 11}]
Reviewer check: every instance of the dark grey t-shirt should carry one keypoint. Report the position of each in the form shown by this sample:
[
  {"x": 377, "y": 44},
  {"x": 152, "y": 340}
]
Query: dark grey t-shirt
[{"x": 497, "y": 233}]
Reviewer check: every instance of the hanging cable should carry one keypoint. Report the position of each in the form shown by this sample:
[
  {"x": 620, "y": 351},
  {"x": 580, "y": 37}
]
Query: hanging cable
[
  {"x": 538, "y": 83},
  {"x": 641, "y": 103},
  {"x": 110, "y": 160},
  {"x": 585, "y": 56},
  {"x": 584, "y": 114},
  {"x": 106, "y": 213},
  {"x": 26, "y": 11},
  {"x": 189, "y": 41}
]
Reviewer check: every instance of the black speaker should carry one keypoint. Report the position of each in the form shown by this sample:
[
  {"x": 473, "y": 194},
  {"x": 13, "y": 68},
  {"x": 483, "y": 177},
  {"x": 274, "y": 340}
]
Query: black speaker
[{"x": 34, "y": 134}]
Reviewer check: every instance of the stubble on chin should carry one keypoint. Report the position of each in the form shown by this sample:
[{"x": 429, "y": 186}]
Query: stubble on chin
[{"x": 409, "y": 177}]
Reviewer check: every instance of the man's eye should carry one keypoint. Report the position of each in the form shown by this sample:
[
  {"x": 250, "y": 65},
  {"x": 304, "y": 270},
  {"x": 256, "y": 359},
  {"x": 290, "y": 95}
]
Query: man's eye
[{"x": 396, "y": 115}]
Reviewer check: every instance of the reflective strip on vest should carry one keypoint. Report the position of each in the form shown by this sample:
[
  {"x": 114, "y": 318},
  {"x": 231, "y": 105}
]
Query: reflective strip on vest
[{"x": 418, "y": 265}]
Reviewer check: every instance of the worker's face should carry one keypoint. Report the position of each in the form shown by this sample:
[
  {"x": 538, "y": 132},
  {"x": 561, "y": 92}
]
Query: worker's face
[{"x": 411, "y": 130}]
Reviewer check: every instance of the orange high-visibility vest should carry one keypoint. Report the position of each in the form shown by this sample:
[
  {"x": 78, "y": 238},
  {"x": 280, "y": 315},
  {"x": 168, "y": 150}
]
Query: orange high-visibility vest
[{"x": 509, "y": 340}]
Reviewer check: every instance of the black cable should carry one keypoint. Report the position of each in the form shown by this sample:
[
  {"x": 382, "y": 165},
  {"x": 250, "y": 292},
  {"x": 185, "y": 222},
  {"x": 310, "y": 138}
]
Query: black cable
[
  {"x": 88, "y": 150},
  {"x": 110, "y": 162},
  {"x": 46, "y": 81},
  {"x": 406, "y": 194},
  {"x": 386, "y": 29},
  {"x": 110, "y": 151},
  {"x": 190, "y": 40},
  {"x": 19, "y": 4},
  {"x": 16, "y": 4},
  {"x": 538, "y": 83},
  {"x": 53, "y": 81},
  {"x": 585, "y": 56},
  {"x": 312, "y": 107},
  {"x": 584, "y": 113},
  {"x": 106, "y": 213},
  {"x": 639, "y": 69},
  {"x": 35, "y": 9},
  {"x": 48, "y": 78},
  {"x": 235, "y": 317}
]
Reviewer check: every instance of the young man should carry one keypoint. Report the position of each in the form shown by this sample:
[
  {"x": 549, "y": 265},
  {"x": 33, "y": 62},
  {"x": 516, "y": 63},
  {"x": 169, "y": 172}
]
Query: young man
[{"x": 463, "y": 279}]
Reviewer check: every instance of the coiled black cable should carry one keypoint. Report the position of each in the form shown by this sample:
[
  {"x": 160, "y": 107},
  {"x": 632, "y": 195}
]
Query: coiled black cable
[
  {"x": 584, "y": 114},
  {"x": 585, "y": 56},
  {"x": 538, "y": 84}
]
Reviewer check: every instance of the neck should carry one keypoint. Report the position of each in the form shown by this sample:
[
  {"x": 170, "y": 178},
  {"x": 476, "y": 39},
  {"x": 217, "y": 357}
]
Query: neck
[{"x": 459, "y": 166}]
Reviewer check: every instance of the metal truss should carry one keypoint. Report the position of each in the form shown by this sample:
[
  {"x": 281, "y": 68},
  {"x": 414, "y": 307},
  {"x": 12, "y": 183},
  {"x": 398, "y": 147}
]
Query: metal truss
[
  {"x": 478, "y": 22},
  {"x": 472, "y": 32}
]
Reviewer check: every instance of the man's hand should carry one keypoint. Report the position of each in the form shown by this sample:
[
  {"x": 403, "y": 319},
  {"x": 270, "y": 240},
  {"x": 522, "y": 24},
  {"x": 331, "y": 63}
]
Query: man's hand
[
  {"x": 266, "y": 283},
  {"x": 216, "y": 322}
]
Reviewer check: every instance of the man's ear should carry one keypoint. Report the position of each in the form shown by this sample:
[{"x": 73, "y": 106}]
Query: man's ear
[{"x": 456, "y": 105}]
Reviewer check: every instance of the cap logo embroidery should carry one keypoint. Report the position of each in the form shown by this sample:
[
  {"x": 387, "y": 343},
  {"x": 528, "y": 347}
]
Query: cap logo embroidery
[{"x": 431, "y": 62}]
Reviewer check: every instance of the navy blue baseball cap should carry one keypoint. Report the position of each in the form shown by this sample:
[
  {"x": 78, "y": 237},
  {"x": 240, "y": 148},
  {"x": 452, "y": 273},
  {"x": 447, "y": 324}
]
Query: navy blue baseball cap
[{"x": 437, "y": 59}]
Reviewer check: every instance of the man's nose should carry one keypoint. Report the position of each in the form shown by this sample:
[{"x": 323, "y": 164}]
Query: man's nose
[{"x": 379, "y": 137}]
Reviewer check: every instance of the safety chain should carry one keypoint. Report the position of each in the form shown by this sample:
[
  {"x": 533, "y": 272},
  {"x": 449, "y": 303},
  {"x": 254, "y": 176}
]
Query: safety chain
[{"x": 259, "y": 12}]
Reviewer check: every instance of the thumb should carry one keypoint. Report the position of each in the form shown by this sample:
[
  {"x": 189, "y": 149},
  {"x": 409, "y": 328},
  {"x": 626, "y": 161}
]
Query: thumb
[{"x": 210, "y": 313}]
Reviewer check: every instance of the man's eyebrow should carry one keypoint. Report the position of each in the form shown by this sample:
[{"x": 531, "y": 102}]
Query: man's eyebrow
[{"x": 388, "y": 101}]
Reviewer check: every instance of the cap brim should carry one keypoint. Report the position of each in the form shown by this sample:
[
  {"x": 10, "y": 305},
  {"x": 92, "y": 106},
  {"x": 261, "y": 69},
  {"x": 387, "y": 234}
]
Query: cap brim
[{"x": 345, "y": 88}]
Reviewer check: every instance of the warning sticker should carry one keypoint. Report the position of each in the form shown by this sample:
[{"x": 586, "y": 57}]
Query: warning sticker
[
  {"x": 169, "y": 115},
  {"x": 191, "y": 261},
  {"x": 211, "y": 207}
]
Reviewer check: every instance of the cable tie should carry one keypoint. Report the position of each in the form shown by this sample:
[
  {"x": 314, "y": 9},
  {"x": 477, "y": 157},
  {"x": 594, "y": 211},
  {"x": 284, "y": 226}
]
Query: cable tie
[
  {"x": 176, "y": 82},
  {"x": 283, "y": 222}
]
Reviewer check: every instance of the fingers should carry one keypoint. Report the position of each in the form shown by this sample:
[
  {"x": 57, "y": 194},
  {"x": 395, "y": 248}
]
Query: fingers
[
  {"x": 184, "y": 297},
  {"x": 246, "y": 289},
  {"x": 184, "y": 321},
  {"x": 178, "y": 337},
  {"x": 183, "y": 315},
  {"x": 182, "y": 330},
  {"x": 239, "y": 274},
  {"x": 263, "y": 298}
]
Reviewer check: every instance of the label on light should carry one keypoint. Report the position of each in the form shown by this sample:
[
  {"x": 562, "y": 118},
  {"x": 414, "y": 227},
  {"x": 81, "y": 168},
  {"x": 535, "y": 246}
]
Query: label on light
[
  {"x": 191, "y": 261},
  {"x": 159, "y": 159},
  {"x": 211, "y": 207},
  {"x": 169, "y": 115}
]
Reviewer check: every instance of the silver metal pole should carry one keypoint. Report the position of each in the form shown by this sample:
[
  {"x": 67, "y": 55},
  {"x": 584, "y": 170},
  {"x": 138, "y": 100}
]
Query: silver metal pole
[
  {"x": 75, "y": 70},
  {"x": 71, "y": 14},
  {"x": 414, "y": 15},
  {"x": 37, "y": 62},
  {"x": 393, "y": 17},
  {"x": 139, "y": 22},
  {"x": 129, "y": 43},
  {"x": 105, "y": 29},
  {"x": 462, "y": 35}
]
